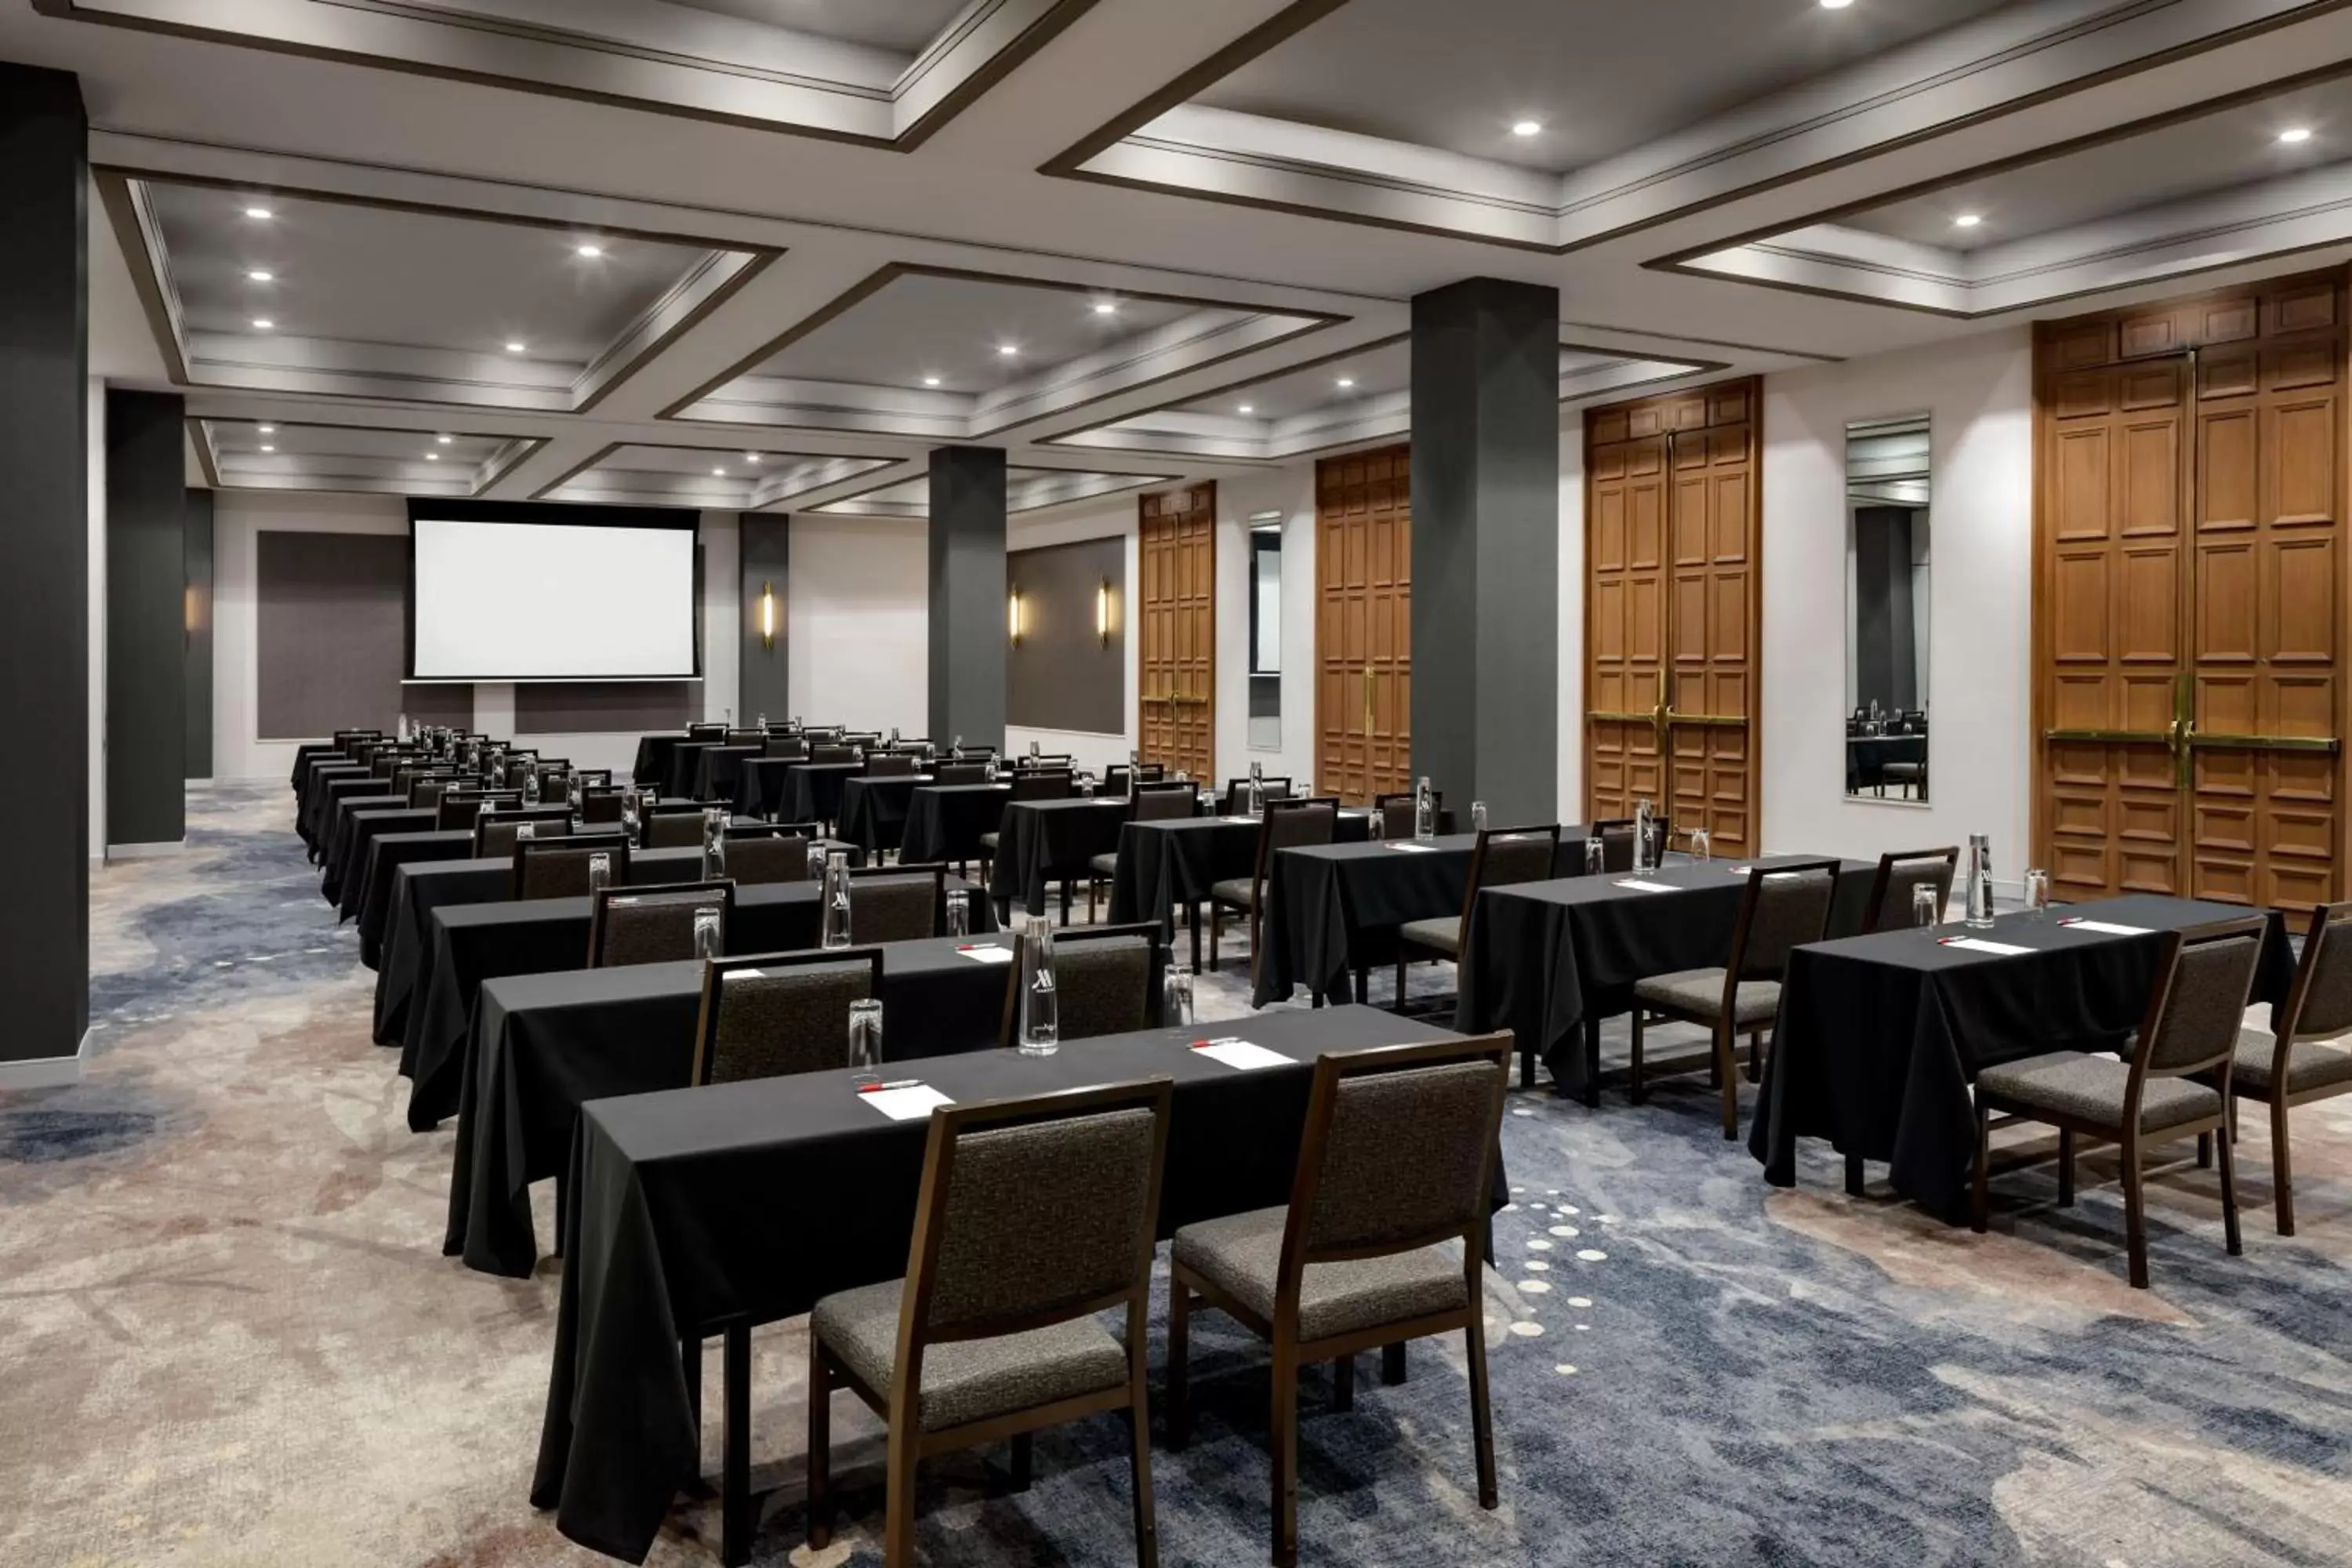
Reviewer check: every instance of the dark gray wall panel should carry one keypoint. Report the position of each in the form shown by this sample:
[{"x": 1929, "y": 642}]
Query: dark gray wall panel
[
  {"x": 331, "y": 637},
  {"x": 967, "y": 593},
  {"x": 199, "y": 705},
  {"x": 1062, "y": 677},
  {"x": 588, "y": 707},
  {"x": 45, "y": 562},
  {"x": 146, "y": 619},
  {"x": 765, "y": 546}
]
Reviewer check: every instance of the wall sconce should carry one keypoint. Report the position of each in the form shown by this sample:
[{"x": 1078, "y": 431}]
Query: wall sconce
[
  {"x": 1013, "y": 617},
  {"x": 1102, "y": 612},
  {"x": 767, "y": 615}
]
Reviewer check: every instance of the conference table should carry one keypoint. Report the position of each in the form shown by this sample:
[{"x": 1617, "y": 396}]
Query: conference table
[
  {"x": 366, "y": 819},
  {"x": 697, "y": 1211},
  {"x": 718, "y": 768},
  {"x": 1866, "y": 757},
  {"x": 1169, "y": 865},
  {"x": 1879, "y": 1037},
  {"x": 874, "y": 810},
  {"x": 542, "y": 1045},
  {"x": 1040, "y": 842},
  {"x": 1549, "y": 960},
  {"x": 944, "y": 822}
]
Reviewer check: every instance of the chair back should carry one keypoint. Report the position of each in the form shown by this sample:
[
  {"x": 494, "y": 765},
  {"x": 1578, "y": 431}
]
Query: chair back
[
  {"x": 1901, "y": 871},
  {"x": 893, "y": 764},
  {"x": 896, "y": 903},
  {"x": 1106, "y": 981},
  {"x": 1032, "y": 785},
  {"x": 1000, "y": 1249},
  {"x": 1044, "y": 762},
  {"x": 2319, "y": 1005},
  {"x": 765, "y": 852},
  {"x": 1397, "y": 813},
  {"x": 346, "y": 740},
  {"x": 963, "y": 774},
  {"x": 1293, "y": 825},
  {"x": 1268, "y": 789},
  {"x": 459, "y": 808},
  {"x": 1121, "y": 778},
  {"x": 654, "y": 925},
  {"x": 1616, "y": 836},
  {"x": 2197, "y": 1004},
  {"x": 752, "y": 738},
  {"x": 1779, "y": 910},
  {"x": 869, "y": 738},
  {"x": 557, "y": 868},
  {"x": 427, "y": 790},
  {"x": 830, "y": 754},
  {"x": 1398, "y": 1154},
  {"x": 495, "y": 835},
  {"x": 1505, "y": 855},
  {"x": 773, "y": 1014},
  {"x": 791, "y": 748},
  {"x": 1161, "y": 802},
  {"x": 601, "y": 802},
  {"x": 519, "y": 767},
  {"x": 673, "y": 826},
  {"x": 705, "y": 731}
]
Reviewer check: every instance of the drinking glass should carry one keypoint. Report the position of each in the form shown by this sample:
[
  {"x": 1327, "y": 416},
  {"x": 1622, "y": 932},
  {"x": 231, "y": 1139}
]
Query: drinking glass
[
  {"x": 959, "y": 915},
  {"x": 1701, "y": 846},
  {"x": 817, "y": 860},
  {"x": 866, "y": 1039},
  {"x": 526, "y": 830},
  {"x": 600, "y": 872},
  {"x": 1595, "y": 856},
  {"x": 761, "y": 721},
  {"x": 1477, "y": 816},
  {"x": 1085, "y": 786},
  {"x": 2037, "y": 891},
  {"x": 706, "y": 933},
  {"x": 1924, "y": 910},
  {"x": 1176, "y": 997},
  {"x": 629, "y": 815},
  {"x": 1376, "y": 826},
  {"x": 1041, "y": 1032}
]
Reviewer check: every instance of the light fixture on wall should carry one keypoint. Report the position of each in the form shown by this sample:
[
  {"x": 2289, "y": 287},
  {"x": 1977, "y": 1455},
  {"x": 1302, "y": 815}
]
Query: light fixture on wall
[
  {"x": 1102, "y": 612},
  {"x": 767, "y": 615},
  {"x": 1013, "y": 617}
]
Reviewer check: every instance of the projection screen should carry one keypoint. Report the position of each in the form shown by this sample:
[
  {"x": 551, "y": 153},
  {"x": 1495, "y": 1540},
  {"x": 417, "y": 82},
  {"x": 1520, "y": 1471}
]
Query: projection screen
[{"x": 550, "y": 601}]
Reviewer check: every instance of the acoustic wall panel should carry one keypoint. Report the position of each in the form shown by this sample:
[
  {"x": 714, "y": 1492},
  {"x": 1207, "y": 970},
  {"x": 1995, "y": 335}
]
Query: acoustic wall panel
[
  {"x": 331, "y": 609},
  {"x": 1064, "y": 673}
]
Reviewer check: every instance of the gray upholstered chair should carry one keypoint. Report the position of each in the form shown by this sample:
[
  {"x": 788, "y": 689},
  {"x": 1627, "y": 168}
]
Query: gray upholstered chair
[
  {"x": 828, "y": 754},
  {"x": 601, "y": 802},
  {"x": 1106, "y": 981},
  {"x": 763, "y": 852},
  {"x": 1268, "y": 789},
  {"x": 1035, "y": 1216},
  {"x": 1287, "y": 824},
  {"x": 964, "y": 774},
  {"x": 1900, "y": 872},
  {"x": 2304, "y": 1057},
  {"x": 1397, "y": 811},
  {"x": 2174, "y": 1083},
  {"x": 458, "y": 808},
  {"x": 557, "y": 867},
  {"x": 773, "y": 1014},
  {"x": 676, "y": 827},
  {"x": 1616, "y": 836},
  {"x": 495, "y": 831},
  {"x": 789, "y": 748},
  {"x": 715, "y": 733},
  {"x": 747, "y": 737},
  {"x": 652, "y": 925},
  {"x": 1150, "y": 800},
  {"x": 1121, "y": 778},
  {"x": 1909, "y": 777},
  {"x": 425, "y": 790},
  {"x": 1045, "y": 762},
  {"x": 1381, "y": 1242},
  {"x": 896, "y": 903},
  {"x": 1502, "y": 856},
  {"x": 892, "y": 765},
  {"x": 1781, "y": 910}
]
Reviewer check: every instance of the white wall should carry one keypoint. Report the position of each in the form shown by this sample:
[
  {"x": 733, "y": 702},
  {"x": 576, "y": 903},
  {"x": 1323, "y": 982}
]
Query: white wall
[
  {"x": 1115, "y": 520},
  {"x": 1978, "y": 393},
  {"x": 1290, "y": 492},
  {"x": 858, "y": 623}
]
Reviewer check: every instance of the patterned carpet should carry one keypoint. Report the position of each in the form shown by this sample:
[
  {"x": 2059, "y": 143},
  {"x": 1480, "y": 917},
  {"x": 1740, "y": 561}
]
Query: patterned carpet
[{"x": 229, "y": 1336}]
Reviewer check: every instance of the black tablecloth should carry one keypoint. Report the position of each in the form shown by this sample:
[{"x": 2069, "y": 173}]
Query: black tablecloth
[
  {"x": 543, "y": 1044},
  {"x": 302, "y": 756},
  {"x": 1335, "y": 906},
  {"x": 338, "y": 799},
  {"x": 752, "y": 1200},
  {"x": 1545, "y": 958},
  {"x": 387, "y": 853},
  {"x": 1879, "y": 1036},
  {"x": 719, "y": 770},
  {"x": 362, "y": 828},
  {"x": 309, "y": 813},
  {"x": 1866, "y": 757},
  {"x": 683, "y": 763},
  {"x": 874, "y": 811},
  {"x": 652, "y": 764},
  {"x": 944, "y": 822},
  {"x": 1165, "y": 866},
  {"x": 811, "y": 792},
  {"x": 1045, "y": 841}
]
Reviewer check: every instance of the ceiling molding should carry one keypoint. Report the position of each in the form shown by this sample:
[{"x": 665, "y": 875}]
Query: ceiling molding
[
  {"x": 460, "y": 483},
  {"x": 617, "y": 493}
]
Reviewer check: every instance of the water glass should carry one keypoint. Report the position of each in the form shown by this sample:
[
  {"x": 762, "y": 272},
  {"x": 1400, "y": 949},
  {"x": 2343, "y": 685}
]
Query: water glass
[
  {"x": 706, "y": 933},
  {"x": 865, "y": 1038},
  {"x": 2037, "y": 891},
  {"x": 1701, "y": 846},
  {"x": 1477, "y": 816},
  {"x": 526, "y": 830},
  {"x": 959, "y": 915},
  {"x": 1595, "y": 856},
  {"x": 817, "y": 860},
  {"x": 1176, "y": 997},
  {"x": 1924, "y": 905},
  {"x": 600, "y": 872}
]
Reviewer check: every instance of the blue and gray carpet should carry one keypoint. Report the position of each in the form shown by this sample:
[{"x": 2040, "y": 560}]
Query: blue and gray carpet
[{"x": 228, "y": 1334}]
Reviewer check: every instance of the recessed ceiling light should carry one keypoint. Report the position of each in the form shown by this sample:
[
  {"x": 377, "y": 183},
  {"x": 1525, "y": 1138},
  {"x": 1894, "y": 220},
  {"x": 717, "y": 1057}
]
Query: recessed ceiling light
[
  {"x": 931, "y": 381},
  {"x": 751, "y": 456},
  {"x": 262, "y": 323},
  {"x": 717, "y": 473},
  {"x": 268, "y": 448},
  {"x": 259, "y": 214},
  {"x": 1528, "y": 128},
  {"x": 258, "y": 276},
  {"x": 1247, "y": 408},
  {"x": 2295, "y": 133},
  {"x": 1835, "y": 4},
  {"x": 515, "y": 348},
  {"x": 267, "y": 429},
  {"x": 1007, "y": 350},
  {"x": 1967, "y": 220},
  {"x": 1105, "y": 306},
  {"x": 1346, "y": 382},
  {"x": 590, "y": 252},
  {"x": 445, "y": 440},
  {"x": 432, "y": 457}
]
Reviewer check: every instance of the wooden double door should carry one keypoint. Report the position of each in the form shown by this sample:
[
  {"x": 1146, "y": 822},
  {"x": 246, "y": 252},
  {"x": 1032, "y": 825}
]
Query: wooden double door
[
  {"x": 2189, "y": 597},
  {"x": 1363, "y": 624},
  {"x": 1673, "y": 537},
  {"x": 1177, "y": 616}
]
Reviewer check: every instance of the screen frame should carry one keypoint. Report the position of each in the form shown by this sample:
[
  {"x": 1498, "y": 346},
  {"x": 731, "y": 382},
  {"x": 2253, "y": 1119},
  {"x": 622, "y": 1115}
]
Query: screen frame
[{"x": 544, "y": 515}]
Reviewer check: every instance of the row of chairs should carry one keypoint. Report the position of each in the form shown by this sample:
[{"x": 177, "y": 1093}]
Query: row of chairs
[{"x": 654, "y": 924}]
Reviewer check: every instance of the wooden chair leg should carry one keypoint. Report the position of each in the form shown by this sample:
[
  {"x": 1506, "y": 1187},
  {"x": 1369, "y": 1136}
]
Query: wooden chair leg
[
  {"x": 1592, "y": 1064},
  {"x": 2204, "y": 1151},
  {"x": 1216, "y": 929},
  {"x": 690, "y": 1365},
  {"x": 1343, "y": 1384},
  {"x": 1482, "y": 1414},
  {"x": 1980, "y": 1206},
  {"x": 1284, "y": 1439},
  {"x": 1400, "y": 982},
  {"x": 1854, "y": 1176},
  {"x": 820, "y": 1449},
  {"x": 2135, "y": 1214},
  {"x": 1723, "y": 1048},
  {"x": 735, "y": 1507},
  {"x": 1179, "y": 1403},
  {"x": 1363, "y": 984},
  {"x": 1635, "y": 1087},
  {"x": 2282, "y": 1174},
  {"x": 898, "y": 1530},
  {"x": 1754, "y": 1056},
  {"x": 1139, "y": 1411},
  {"x": 1024, "y": 1460},
  {"x": 1392, "y": 1363},
  {"x": 2065, "y": 1168},
  {"x": 2230, "y": 1191}
]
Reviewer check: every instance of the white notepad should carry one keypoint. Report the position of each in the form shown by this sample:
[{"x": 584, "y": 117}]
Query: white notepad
[
  {"x": 1651, "y": 886},
  {"x": 911, "y": 1103},
  {"x": 2105, "y": 928},
  {"x": 987, "y": 954},
  {"x": 1978, "y": 944},
  {"x": 1408, "y": 846},
  {"x": 1243, "y": 1055}
]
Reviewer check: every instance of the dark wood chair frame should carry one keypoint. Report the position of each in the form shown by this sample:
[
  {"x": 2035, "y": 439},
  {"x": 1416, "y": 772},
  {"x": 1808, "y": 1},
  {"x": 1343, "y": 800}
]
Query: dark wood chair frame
[
  {"x": 722, "y": 892},
  {"x": 1096, "y": 886},
  {"x": 1290, "y": 1352},
  {"x": 1407, "y": 948},
  {"x": 1273, "y": 787},
  {"x": 937, "y": 870},
  {"x": 588, "y": 842},
  {"x": 1261, "y": 873},
  {"x": 1078, "y": 937},
  {"x": 715, "y": 973},
  {"x": 481, "y": 800},
  {"x": 2329, "y": 923},
  {"x": 487, "y": 818},
  {"x": 1875, "y": 918}
]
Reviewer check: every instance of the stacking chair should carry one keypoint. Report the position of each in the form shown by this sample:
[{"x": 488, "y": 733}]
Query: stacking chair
[
  {"x": 1910, "y": 777},
  {"x": 770, "y": 851},
  {"x": 1397, "y": 813},
  {"x": 1147, "y": 800},
  {"x": 1106, "y": 981},
  {"x": 791, "y": 748},
  {"x": 427, "y": 790},
  {"x": 654, "y": 925},
  {"x": 1045, "y": 763},
  {"x": 713, "y": 732},
  {"x": 458, "y": 808},
  {"x": 893, "y": 764},
  {"x": 557, "y": 868},
  {"x": 1287, "y": 824},
  {"x": 1501, "y": 856},
  {"x": 964, "y": 774},
  {"x": 1616, "y": 836},
  {"x": 1393, "y": 1174},
  {"x": 1268, "y": 789},
  {"x": 2175, "y": 1084},
  {"x": 1779, "y": 910},
  {"x": 896, "y": 903},
  {"x": 866, "y": 739},
  {"x": 823, "y": 753},
  {"x": 2294, "y": 1064},
  {"x": 601, "y": 802},
  {"x": 495, "y": 835},
  {"x": 1029, "y": 785},
  {"x": 1121, "y": 778},
  {"x": 672, "y": 826},
  {"x": 747, "y": 737},
  {"x": 775, "y": 1014},
  {"x": 1901, "y": 871},
  {"x": 994, "y": 1333}
]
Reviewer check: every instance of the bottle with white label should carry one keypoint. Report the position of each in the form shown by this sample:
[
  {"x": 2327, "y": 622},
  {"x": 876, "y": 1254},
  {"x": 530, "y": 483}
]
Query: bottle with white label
[
  {"x": 837, "y": 900},
  {"x": 1424, "y": 810},
  {"x": 1979, "y": 884},
  {"x": 1643, "y": 815},
  {"x": 1041, "y": 1032}
]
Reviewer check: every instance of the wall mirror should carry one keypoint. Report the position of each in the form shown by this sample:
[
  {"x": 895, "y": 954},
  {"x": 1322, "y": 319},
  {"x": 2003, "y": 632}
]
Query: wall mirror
[
  {"x": 1888, "y": 567},
  {"x": 1265, "y": 631}
]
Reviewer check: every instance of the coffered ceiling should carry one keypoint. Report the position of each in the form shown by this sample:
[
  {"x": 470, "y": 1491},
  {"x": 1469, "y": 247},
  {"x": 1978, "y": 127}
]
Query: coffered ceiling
[{"x": 612, "y": 249}]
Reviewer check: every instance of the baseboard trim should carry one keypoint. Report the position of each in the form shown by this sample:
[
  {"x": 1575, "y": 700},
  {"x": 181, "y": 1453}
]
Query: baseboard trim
[
  {"x": 154, "y": 851},
  {"x": 47, "y": 1072}
]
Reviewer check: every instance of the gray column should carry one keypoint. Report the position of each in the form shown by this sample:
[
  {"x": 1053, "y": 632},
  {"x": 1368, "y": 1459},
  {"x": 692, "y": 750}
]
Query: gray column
[
  {"x": 45, "y": 568},
  {"x": 199, "y": 516},
  {"x": 1485, "y": 547},
  {"x": 967, "y": 595},
  {"x": 146, "y": 620},
  {"x": 763, "y": 545}
]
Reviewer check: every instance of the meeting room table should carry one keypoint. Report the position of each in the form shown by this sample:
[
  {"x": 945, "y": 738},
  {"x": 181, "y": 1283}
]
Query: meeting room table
[
  {"x": 807, "y": 791},
  {"x": 1041, "y": 842},
  {"x": 683, "y": 766},
  {"x": 651, "y": 764},
  {"x": 469, "y": 944},
  {"x": 1879, "y": 1037},
  {"x": 1333, "y": 908},
  {"x": 944, "y": 822},
  {"x": 719, "y": 770},
  {"x": 1866, "y": 757},
  {"x": 1169, "y": 865},
  {"x": 329, "y": 787},
  {"x": 542, "y": 1045},
  {"x": 387, "y": 853},
  {"x": 1548, "y": 961},
  {"x": 310, "y": 798},
  {"x": 345, "y": 879},
  {"x": 874, "y": 810},
  {"x": 696, "y": 1211}
]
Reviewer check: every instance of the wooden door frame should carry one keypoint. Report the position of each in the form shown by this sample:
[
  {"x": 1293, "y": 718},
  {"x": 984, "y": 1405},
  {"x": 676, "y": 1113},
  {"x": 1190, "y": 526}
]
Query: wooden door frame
[
  {"x": 1404, "y": 695},
  {"x": 1205, "y": 491}
]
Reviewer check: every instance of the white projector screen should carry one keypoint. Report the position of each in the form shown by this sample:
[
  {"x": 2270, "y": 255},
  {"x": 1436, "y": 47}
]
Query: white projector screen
[{"x": 535, "y": 601}]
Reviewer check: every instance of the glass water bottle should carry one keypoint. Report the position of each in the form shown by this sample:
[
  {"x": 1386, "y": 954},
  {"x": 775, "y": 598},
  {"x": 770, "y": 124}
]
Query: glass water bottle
[{"x": 1040, "y": 1031}]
